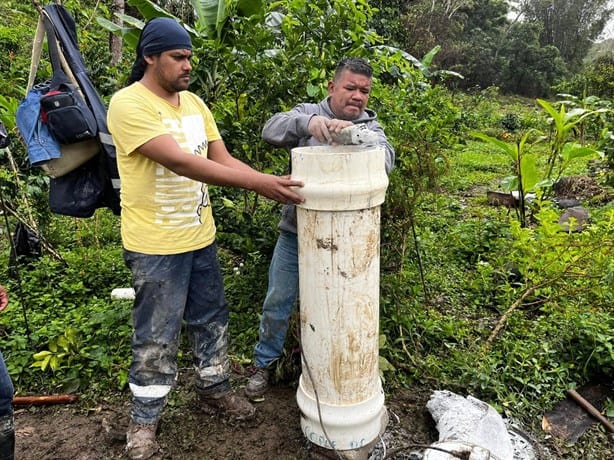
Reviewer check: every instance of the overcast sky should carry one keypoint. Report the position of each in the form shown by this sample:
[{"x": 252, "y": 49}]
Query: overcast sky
[{"x": 608, "y": 32}]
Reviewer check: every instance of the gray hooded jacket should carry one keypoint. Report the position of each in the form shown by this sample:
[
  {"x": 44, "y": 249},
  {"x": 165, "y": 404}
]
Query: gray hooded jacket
[{"x": 289, "y": 130}]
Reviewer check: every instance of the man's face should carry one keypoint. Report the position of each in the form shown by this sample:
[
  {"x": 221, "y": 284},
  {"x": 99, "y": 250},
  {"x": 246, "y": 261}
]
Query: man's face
[
  {"x": 349, "y": 95},
  {"x": 172, "y": 69}
]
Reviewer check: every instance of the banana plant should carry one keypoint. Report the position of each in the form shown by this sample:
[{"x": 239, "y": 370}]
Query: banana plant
[
  {"x": 562, "y": 152},
  {"x": 424, "y": 64},
  {"x": 562, "y": 148},
  {"x": 211, "y": 22},
  {"x": 526, "y": 177},
  {"x": 211, "y": 18}
]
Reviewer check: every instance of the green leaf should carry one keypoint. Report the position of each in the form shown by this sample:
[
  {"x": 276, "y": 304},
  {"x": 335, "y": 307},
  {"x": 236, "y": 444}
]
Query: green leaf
[
  {"x": 506, "y": 148},
  {"x": 212, "y": 15},
  {"x": 572, "y": 151},
  {"x": 130, "y": 20},
  {"x": 408, "y": 57},
  {"x": 45, "y": 362},
  {"x": 313, "y": 90},
  {"x": 62, "y": 343},
  {"x": 529, "y": 173},
  {"x": 41, "y": 354},
  {"x": 149, "y": 9},
  {"x": 111, "y": 26},
  {"x": 228, "y": 203},
  {"x": 54, "y": 363},
  {"x": 428, "y": 58},
  {"x": 130, "y": 35},
  {"x": 509, "y": 183},
  {"x": 385, "y": 365},
  {"x": 250, "y": 7},
  {"x": 549, "y": 108}
]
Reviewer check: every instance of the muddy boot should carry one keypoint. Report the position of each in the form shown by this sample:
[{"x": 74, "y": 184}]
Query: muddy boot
[
  {"x": 257, "y": 384},
  {"x": 7, "y": 438},
  {"x": 228, "y": 403},
  {"x": 141, "y": 441}
]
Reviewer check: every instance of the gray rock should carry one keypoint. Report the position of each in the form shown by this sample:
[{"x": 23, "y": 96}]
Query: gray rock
[
  {"x": 565, "y": 203},
  {"x": 576, "y": 214}
]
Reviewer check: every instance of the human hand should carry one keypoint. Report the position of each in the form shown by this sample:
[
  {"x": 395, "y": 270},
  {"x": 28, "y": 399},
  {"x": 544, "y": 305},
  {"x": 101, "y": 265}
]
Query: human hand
[
  {"x": 355, "y": 135},
  {"x": 278, "y": 188},
  {"x": 323, "y": 128},
  {"x": 4, "y": 298}
]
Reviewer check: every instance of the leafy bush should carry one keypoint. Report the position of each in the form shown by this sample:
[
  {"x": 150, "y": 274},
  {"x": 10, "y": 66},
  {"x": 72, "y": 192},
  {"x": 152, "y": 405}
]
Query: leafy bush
[
  {"x": 510, "y": 121},
  {"x": 71, "y": 327},
  {"x": 16, "y": 34},
  {"x": 595, "y": 79}
]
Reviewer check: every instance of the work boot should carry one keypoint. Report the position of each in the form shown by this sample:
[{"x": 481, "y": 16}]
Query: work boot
[
  {"x": 141, "y": 441},
  {"x": 257, "y": 383},
  {"x": 7, "y": 438},
  {"x": 230, "y": 404}
]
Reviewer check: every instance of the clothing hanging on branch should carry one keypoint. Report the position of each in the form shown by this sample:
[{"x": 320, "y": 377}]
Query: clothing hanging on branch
[{"x": 69, "y": 137}]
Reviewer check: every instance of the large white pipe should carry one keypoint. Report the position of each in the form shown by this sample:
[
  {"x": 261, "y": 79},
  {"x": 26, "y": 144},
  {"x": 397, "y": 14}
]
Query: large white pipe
[{"x": 340, "y": 393}]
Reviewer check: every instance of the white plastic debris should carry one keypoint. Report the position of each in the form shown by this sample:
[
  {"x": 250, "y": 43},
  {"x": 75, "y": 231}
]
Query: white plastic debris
[
  {"x": 442, "y": 451},
  {"x": 471, "y": 422},
  {"x": 122, "y": 294}
]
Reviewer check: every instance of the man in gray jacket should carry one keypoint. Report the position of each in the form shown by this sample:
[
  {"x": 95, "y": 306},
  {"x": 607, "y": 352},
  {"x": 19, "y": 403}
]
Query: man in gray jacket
[{"x": 307, "y": 125}]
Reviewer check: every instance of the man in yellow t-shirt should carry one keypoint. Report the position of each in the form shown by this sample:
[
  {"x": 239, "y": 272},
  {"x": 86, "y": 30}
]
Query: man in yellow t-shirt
[{"x": 168, "y": 150}]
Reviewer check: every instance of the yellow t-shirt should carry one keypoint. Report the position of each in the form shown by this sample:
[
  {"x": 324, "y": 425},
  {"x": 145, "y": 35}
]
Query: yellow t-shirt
[{"x": 162, "y": 212}]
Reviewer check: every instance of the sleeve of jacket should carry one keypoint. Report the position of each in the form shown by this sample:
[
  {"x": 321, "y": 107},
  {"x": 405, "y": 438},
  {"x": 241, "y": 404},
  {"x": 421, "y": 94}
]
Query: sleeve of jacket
[
  {"x": 285, "y": 129},
  {"x": 383, "y": 141}
]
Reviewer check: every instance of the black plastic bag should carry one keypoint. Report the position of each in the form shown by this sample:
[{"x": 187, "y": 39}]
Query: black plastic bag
[
  {"x": 26, "y": 244},
  {"x": 4, "y": 136},
  {"x": 78, "y": 193}
]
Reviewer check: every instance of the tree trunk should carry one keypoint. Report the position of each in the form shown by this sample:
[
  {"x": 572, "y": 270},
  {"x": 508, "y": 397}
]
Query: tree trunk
[{"x": 115, "y": 41}]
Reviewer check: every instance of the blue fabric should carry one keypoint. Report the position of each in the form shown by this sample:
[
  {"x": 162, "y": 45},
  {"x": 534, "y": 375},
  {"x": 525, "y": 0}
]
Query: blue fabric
[
  {"x": 280, "y": 300},
  {"x": 6, "y": 389},
  {"x": 170, "y": 289},
  {"x": 40, "y": 144}
]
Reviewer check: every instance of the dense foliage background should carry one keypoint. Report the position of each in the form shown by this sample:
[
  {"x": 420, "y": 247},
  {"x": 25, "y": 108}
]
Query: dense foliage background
[{"x": 500, "y": 304}]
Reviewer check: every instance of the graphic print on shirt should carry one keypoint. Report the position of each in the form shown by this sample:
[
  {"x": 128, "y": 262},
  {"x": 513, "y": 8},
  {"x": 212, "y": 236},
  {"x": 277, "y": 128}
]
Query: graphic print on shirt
[{"x": 179, "y": 199}]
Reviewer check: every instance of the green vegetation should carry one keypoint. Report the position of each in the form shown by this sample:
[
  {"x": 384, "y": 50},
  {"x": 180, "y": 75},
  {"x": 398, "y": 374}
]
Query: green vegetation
[{"x": 473, "y": 299}]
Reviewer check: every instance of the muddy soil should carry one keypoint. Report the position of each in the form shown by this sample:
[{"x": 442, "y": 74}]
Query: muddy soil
[{"x": 94, "y": 430}]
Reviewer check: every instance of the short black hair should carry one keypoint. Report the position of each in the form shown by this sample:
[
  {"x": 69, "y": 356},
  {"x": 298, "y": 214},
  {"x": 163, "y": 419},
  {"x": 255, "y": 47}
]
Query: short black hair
[{"x": 354, "y": 65}]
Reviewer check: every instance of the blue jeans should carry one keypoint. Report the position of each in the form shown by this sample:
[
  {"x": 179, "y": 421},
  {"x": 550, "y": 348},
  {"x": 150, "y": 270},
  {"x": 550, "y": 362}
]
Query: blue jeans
[
  {"x": 6, "y": 389},
  {"x": 280, "y": 300},
  {"x": 170, "y": 289}
]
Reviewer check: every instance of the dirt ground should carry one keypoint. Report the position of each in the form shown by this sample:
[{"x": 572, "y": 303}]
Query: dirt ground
[{"x": 96, "y": 430}]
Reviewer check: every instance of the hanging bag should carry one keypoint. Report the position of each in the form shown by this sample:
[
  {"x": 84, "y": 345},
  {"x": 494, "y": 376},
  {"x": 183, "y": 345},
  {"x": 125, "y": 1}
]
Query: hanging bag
[
  {"x": 63, "y": 108},
  {"x": 84, "y": 174},
  {"x": 57, "y": 126}
]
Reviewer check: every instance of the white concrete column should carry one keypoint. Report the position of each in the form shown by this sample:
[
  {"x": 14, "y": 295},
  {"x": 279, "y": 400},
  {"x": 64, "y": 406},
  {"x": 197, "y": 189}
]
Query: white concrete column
[{"x": 339, "y": 248}]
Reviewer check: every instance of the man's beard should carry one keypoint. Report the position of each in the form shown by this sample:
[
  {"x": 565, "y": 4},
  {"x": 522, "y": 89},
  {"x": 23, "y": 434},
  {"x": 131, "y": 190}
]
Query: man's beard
[{"x": 180, "y": 85}]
